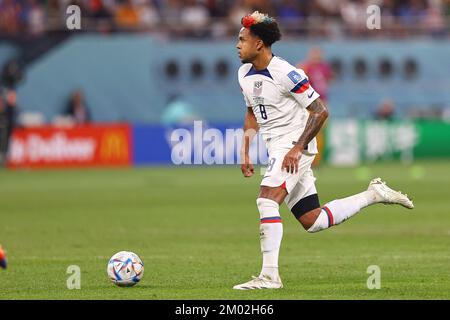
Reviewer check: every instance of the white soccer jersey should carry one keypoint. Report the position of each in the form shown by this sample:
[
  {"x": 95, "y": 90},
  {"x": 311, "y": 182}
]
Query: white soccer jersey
[{"x": 279, "y": 96}]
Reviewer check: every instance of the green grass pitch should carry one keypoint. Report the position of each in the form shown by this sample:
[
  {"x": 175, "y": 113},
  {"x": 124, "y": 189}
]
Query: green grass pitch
[{"x": 197, "y": 231}]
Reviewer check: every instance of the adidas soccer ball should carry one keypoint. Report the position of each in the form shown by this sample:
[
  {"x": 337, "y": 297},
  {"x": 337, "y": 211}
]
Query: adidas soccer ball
[{"x": 125, "y": 269}]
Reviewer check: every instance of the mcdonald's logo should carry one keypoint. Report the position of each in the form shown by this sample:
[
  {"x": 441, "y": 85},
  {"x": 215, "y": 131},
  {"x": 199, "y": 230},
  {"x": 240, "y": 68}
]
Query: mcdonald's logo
[{"x": 114, "y": 147}]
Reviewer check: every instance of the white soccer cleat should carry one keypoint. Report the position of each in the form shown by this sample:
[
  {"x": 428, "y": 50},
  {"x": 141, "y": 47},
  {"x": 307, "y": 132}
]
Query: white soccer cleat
[
  {"x": 261, "y": 282},
  {"x": 389, "y": 196}
]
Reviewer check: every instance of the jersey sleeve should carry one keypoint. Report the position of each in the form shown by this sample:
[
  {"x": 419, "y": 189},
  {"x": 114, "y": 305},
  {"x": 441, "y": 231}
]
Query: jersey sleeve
[{"x": 297, "y": 84}]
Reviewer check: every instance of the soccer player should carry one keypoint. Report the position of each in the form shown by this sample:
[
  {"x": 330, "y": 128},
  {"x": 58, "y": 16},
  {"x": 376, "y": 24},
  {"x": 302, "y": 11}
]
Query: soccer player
[{"x": 287, "y": 111}]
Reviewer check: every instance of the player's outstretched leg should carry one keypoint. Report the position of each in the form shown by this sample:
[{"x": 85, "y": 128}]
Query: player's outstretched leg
[{"x": 337, "y": 211}]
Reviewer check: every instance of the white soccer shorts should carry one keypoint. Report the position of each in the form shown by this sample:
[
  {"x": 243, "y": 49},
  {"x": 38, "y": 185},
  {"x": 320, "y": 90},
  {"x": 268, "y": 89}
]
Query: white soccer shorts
[{"x": 298, "y": 185}]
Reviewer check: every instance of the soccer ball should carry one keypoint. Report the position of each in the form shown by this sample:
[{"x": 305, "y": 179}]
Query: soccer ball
[{"x": 125, "y": 269}]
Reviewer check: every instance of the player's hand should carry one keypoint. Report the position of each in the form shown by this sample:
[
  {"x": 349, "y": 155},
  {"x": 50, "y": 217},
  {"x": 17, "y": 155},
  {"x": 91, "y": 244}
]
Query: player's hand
[
  {"x": 247, "y": 168},
  {"x": 291, "y": 160}
]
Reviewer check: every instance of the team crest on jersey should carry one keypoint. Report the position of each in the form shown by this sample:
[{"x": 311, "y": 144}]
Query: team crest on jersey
[
  {"x": 258, "y": 100},
  {"x": 294, "y": 76},
  {"x": 257, "y": 88}
]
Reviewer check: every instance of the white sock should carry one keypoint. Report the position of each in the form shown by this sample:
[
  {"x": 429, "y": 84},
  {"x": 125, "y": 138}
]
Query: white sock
[
  {"x": 271, "y": 233},
  {"x": 337, "y": 211}
]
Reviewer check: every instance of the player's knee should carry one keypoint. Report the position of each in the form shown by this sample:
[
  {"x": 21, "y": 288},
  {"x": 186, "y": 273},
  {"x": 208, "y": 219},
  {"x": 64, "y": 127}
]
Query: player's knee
[
  {"x": 276, "y": 194},
  {"x": 267, "y": 205},
  {"x": 268, "y": 210},
  {"x": 306, "y": 210},
  {"x": 306, "y": 225},
  {"x": 320, "y": 223}
]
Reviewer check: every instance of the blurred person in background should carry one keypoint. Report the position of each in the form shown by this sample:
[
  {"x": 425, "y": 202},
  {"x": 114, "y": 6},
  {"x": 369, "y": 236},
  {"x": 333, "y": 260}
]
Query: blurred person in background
[
  {"x": 386, "y": 110},
  {"x": 318, "y": 70},
  {"x": 8, "y": 110},
  {"x": 290, "y": 15},
  {"x": 126, "y": 15},
  {"x": 178, "y": 111},
  {"x": 240, "y": 8},
  {"x": 194, "y": 18},
  {"x": 262, "y": 5},
  {"x": 446, "y": 8},
  {"x": 354, "y": 15},
  {"x": 77, "y": 108},
  {"x": 101, "y": 15},
  {"x": 411, "y": 16},
  {"x": 10, "y": 17},
  {"x": 10, "y": 77},
  {"x": 236, "y": 12},
  {"x": 148, "y": 14},
  {"x": 171, "y": 13},
  {"x": 33, "y": 16},
  {"x": 434, "y": 19},
  {"x": 55, "y": 16},
  {"x": 320, "y": 75}
]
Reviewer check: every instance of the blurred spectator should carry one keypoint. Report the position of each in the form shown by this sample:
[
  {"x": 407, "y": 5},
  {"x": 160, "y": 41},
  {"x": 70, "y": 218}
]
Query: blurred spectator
[
  {"x": 218, "y": 8},
  {"x": 353, "y": 13},
  {"x": 55, "y": 14},
  {"x": 388, "y": 10},
  {"x": 101, "y": 16},
  {"x": 33, "y": 16},
  {"x": 289, "y": 14},
  {"x": 11, "y": 74},
  {"x": 237, "y": 11},
  {"x": 318, "y": 71},
  {"x": 8, "y": 111},
  {"x": 148, "y": 14},
  {"x": 320, "y": 74},
  {"x": 385, "y": 111},
  {"x": 178, "y": 111},
  {"x": 329, "y": 7},
  {"x": 262, "y": 6},
  {"x": 446, "y": 9},
  {"x": 194, "y": 18},
  {"x": 77, "y": 108},
  {"x": 127, "y": 16},
  {"x": 434, "y": 20},
  {"x": 411, "y": 15},
  {"x": 171, "y": 11},
  {"x": 10, "y": 11},
  {"x": 446, "y": 114},
  {"x": 218, "y": 18}
]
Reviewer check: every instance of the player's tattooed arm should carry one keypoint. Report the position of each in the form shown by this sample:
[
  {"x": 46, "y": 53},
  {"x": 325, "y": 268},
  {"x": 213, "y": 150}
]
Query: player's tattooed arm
[
  {"x": 318, "y": 113},
  {"x": 250, "y": 129}
]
